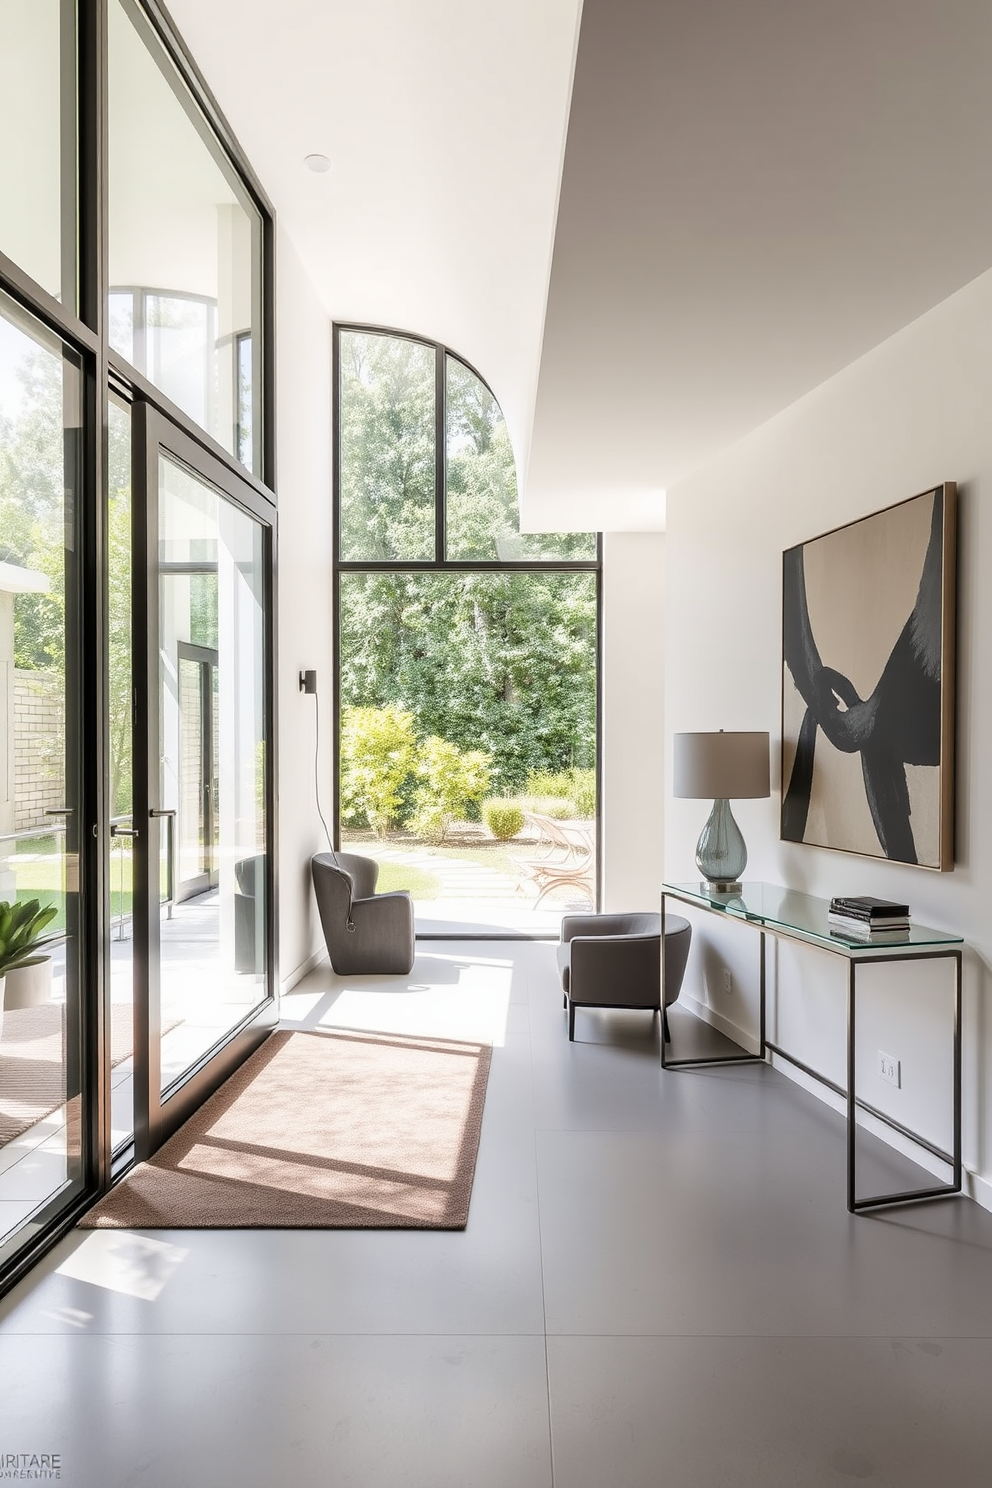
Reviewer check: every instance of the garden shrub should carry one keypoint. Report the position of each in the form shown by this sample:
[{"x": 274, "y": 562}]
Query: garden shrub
[
  {"x": 449, "y": 778},
  {"x": 558, "y": 807},
  {"x": 583, "y": 791},
  {"x": 503, "y": 818},
  {"x": 576, "y": 787},
  {"x": 378, "y": 749}
]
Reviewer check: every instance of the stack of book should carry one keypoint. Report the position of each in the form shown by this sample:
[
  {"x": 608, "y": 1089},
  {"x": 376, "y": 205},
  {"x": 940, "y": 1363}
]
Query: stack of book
[{"x": 869, "y": 919}]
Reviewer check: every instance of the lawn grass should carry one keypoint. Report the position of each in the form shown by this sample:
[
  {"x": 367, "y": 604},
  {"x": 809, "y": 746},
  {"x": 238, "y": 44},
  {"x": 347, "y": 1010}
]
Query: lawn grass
[{"x": 419, "y": 883}]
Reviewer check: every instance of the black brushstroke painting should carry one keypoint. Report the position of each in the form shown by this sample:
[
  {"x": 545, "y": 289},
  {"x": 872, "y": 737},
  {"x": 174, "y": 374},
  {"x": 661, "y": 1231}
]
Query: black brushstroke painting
[{"x": 898, "y": 725}]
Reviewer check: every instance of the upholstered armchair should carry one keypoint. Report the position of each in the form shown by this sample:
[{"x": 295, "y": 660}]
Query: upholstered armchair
[
  {"x": 365, "y": 932},
  {"x": 249, "y": 914},
  {"x": 614, "y": 960}
]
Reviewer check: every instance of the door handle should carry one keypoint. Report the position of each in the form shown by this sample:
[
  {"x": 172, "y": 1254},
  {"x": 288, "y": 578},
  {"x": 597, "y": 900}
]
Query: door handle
[{"x": 155, "y": 812}]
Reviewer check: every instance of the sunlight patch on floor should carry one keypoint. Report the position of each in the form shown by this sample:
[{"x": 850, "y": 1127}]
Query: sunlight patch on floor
[
  {"x": 454, "y": 994},
  {"x": 133, "y": 1265}
]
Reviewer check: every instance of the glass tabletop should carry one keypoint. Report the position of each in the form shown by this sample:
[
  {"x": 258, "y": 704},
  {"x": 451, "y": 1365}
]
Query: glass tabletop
[{"x": 804, "y": 916}]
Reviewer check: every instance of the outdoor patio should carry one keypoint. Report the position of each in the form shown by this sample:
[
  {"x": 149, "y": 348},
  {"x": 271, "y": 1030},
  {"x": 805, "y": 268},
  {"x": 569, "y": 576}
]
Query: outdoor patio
[{"x": 471, "y": 883}]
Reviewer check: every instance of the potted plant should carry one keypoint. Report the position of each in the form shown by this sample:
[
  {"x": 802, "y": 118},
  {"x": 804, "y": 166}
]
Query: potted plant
[{"x": 21, "y": 927}]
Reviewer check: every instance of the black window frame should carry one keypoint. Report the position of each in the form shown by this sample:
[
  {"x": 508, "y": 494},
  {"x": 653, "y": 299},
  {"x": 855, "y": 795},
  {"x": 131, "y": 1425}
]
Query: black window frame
[
  {"x": 440, "y": 563},
  {"x": 83, "y": 325}
]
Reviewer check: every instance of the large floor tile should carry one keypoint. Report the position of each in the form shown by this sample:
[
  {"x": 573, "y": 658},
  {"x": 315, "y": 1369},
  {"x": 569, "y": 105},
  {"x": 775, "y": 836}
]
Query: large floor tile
[
  {"x": 770, "y": 1412},
  {"x": 484, "y": 1279},
  {"x": 614, "y": 1082},
  {"x": 253, "y": 1411},
  {"x": 703, "y": 1233},
  {"x": 716, "y": 1317}
]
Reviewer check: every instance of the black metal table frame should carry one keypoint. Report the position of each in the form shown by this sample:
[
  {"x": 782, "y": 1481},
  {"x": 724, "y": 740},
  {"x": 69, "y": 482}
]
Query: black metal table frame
[{"x": 854, "y": 960}]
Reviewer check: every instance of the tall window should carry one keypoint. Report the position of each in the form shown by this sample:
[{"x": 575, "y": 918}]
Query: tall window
[
  {"x": 467, "y": 651},
  {"x": 185, "y": 244},
  {"x": 135, "y": 589}
]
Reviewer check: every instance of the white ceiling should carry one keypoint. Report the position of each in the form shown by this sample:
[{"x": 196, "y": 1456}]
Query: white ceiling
[
  {"x": 753, "y": 196},
  {"x": 444, "y": 121}
]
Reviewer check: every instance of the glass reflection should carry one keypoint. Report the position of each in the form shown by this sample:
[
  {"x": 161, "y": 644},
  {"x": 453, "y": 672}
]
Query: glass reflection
[
  {"x": 37, "y": 142},
  {"x": 212, "y": 747},
  {"x": 40, "y": 1065},
  {"x": 119, "y": 709},
  {"x": 185, "y": 244}
]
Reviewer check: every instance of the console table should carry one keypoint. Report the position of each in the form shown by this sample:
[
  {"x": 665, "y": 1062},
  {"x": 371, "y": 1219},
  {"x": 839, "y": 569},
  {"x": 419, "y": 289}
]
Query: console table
[{"x": 791, "y": 916}]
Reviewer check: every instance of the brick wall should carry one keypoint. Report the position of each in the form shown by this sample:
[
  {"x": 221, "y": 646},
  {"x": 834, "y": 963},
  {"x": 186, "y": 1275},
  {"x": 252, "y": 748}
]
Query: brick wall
[{"x": 39, "y": 749}]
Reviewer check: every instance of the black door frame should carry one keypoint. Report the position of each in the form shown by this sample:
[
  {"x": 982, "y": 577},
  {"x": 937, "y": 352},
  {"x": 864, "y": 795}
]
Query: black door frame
[{"x": 158, "y": 1115}]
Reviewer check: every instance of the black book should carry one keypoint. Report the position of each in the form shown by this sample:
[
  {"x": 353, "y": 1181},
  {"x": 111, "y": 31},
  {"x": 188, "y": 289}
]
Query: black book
[{"x": 864, "y": 907}]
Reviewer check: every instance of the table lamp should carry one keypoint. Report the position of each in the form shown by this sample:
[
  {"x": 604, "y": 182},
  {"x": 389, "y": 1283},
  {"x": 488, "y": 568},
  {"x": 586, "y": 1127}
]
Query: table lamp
[{"x": 725, "y": 767}]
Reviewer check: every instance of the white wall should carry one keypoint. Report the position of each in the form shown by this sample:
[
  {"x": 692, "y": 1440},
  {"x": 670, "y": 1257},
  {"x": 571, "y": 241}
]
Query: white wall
[
  {"x": 914, "y": 412},
  {"x": 303, "y": 434},
  {"x": 632, "y": 808}
]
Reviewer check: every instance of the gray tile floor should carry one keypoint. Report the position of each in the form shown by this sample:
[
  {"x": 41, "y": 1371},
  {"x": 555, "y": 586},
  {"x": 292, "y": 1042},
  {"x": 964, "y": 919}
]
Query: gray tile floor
[{"x": 659, "y": 1287}]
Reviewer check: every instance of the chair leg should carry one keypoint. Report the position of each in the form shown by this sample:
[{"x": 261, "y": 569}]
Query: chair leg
[
  {"x": 666, "y": 1035},
  {"x": 571, "y": 1021}
]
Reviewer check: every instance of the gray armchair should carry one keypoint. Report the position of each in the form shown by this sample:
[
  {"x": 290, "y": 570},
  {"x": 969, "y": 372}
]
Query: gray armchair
[
  {"x": 249, "y": 914},
  {"x": 614, "y": 960},
  {"x": 365, "y": 932}
]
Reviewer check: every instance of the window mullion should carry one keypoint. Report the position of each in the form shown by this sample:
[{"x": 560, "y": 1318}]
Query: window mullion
[{"x": 440, "y": 457}]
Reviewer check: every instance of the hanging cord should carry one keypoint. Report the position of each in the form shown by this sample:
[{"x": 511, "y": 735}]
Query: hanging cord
[
  {"x": 349, "y": 922},
  {"x": 316, "y": 769}
]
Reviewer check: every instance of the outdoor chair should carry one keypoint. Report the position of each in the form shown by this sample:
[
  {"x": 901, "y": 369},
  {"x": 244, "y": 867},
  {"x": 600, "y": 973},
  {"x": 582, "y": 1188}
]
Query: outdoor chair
[
  {"x": 366, "y": 933},
  {"x": 614, "y": 960},
  {"x": 570, "y": 859}
]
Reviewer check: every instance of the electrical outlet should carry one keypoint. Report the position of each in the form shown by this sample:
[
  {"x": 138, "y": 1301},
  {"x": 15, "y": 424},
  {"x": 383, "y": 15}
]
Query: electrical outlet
[
  {"x": 728, "y": 981},
  {"x": 889, "y": 1069}
]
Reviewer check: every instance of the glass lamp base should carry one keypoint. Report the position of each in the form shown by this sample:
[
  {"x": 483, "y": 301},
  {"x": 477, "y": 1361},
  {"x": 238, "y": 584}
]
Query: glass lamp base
[{"x": 721, "y": 855}]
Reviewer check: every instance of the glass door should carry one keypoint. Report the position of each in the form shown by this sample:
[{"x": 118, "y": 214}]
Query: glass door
[
  {"x": 203, "y": 603},
  {"x": 198, "y": 816},
  {"x": 42, "y": 713}
]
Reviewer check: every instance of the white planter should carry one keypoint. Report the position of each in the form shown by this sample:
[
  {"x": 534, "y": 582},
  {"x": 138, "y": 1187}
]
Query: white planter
[
  {"x": 29, "y": 985},
  {"x": 3, "y": 981}
]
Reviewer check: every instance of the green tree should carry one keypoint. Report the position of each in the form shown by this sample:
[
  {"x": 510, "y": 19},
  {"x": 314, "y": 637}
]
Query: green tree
[
  {"x": 33, "y": 480},
  {"x": 503, "y": 662},
  {"x": 377, "y": 755},
  {"x": 387, "y": 448}
]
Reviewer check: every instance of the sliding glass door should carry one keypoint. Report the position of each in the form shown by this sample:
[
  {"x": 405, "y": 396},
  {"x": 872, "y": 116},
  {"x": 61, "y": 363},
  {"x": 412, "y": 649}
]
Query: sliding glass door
[
  {"x": 41, "y": 1015},
  {"x": 202, "y": 614},
  {"x": 136, "y": 556}
]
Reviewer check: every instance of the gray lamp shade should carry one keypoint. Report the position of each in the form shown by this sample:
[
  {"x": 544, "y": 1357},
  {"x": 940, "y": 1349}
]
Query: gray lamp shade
[{"x": 721, "y": 766}]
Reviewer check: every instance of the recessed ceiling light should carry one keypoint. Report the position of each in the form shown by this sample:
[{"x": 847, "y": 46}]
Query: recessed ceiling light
[{"x": 319, "y": 163}]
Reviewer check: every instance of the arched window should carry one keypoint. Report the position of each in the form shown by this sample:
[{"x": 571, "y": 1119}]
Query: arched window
[{"x": 467, "y": 651}]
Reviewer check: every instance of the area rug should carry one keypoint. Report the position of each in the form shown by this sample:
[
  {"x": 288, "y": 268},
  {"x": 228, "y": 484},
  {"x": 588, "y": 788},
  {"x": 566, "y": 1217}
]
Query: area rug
[
  {"x": 32, "y": 1062},
  {"x": 321, "y": 1130}
]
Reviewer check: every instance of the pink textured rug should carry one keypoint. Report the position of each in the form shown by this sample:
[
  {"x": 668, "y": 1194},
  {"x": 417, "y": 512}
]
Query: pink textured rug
[{"x": 321, "y": 1130}]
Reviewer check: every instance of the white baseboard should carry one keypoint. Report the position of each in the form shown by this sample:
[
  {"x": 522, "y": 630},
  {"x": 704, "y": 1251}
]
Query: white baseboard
[
  {"x": 978, "y": 1188},
  {"x": 717, "y": 1020},
  {"x": 304, "y": 969},
  {"x": 974, "y": 1185}
]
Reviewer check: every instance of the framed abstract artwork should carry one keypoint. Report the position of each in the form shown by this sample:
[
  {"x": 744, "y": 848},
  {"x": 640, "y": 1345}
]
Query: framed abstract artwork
[{"x": 868, "y": 684}]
